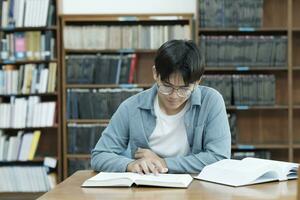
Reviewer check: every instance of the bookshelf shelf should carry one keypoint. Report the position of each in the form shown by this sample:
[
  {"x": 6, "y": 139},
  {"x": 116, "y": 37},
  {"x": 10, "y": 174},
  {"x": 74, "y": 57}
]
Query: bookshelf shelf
[
  {"x": 22, "y": 62},
  {"x": 275, "y": 107},
  {"x": 244, "y": 69},
  {"x": 33, "y": 94},
  {"x": 94, "y": 51},
  {"x": 244, "y": 30},
  {"x": 17, "y": 29},
  {"x": 259, "y": 146},
  {"x": 297, "y": 29},
  {"x": 296, "y": 68},
  {"x": 30, "y": 128}
]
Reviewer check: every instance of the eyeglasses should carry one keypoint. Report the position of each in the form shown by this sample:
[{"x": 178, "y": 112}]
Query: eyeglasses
[{"x": 180, "y": 91}]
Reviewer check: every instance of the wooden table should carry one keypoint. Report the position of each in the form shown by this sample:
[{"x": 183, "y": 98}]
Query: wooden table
[{"x": 70, "y": 189}]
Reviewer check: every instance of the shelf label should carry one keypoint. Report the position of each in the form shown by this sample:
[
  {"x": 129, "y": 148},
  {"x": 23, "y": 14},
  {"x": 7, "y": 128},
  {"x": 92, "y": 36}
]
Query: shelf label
[
  {"x": 128, "y": 18},
  {"x": 125, "y": 85},
  {"x": 165, "y": 17},
  {"x": 242, "y": 68},
  {"x": 245, "y": 146},
  {"x": 126, "y": 51},
  {"x": 242, "y": 107},
  {"x": 8, "y": 61},
  {"x": 246, "y": 29}
]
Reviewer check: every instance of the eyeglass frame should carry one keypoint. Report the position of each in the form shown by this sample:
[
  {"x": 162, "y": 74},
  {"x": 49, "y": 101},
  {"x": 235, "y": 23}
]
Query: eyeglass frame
[{"x": 176, "y": 88}]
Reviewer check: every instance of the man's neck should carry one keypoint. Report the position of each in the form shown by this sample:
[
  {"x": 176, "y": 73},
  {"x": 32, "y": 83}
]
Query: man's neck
[{"x": 167, "y": 111}]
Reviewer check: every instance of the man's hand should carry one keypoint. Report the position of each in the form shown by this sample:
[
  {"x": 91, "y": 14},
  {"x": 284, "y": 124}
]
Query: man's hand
[{"x": 147, "y": 162}]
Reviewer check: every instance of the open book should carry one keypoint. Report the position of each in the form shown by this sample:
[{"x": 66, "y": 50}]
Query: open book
[
  {"x": 248, "y": 171},
  {"x": 106, "y": 179}
]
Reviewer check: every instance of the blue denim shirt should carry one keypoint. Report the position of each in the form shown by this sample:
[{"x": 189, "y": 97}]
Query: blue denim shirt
[{"x": 131, "y": 125}]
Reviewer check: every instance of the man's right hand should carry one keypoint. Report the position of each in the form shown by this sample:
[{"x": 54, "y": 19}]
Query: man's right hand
[{"x": 146, "y": 166}]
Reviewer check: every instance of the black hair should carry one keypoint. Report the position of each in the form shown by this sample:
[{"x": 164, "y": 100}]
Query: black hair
[{"x": 181, "y": 56}]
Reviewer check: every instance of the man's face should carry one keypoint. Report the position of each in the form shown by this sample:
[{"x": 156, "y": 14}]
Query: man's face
[{"x": 174, "y": 93}]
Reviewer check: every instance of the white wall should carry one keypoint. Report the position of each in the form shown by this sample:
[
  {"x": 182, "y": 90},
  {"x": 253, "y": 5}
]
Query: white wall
[{"x": 127, "y": 6}]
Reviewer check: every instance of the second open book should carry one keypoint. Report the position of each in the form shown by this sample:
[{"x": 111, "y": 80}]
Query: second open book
[
  {"x": 228, "y": 172},
  {"x": 248, "y": 171}
]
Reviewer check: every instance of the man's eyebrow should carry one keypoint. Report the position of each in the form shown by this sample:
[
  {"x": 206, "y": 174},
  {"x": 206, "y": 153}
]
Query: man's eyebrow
[{"x": 175, "y": 85}]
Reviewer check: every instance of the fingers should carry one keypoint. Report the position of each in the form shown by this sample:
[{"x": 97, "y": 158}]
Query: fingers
[
  {"x": 152, "y": 168},
  {"x": 144, "y": 166},
  {"x": 137, "y": 169},
  {"x": 160, "y": 167}
]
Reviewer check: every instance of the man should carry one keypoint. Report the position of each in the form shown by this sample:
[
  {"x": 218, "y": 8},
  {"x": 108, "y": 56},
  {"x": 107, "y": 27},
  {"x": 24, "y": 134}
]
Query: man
[{"x": 176, "y": 126}]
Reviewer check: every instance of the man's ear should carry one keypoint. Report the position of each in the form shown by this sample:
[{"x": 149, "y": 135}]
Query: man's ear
[
  {"x": 154, "y": 73},
  {"x": 199, "y": 81}
]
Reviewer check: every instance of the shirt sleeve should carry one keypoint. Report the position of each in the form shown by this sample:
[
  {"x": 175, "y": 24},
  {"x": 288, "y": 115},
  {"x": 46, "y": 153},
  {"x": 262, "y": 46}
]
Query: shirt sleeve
[
  {"x": 106, "y": 156},
  {"x": 216, "y": 141}
]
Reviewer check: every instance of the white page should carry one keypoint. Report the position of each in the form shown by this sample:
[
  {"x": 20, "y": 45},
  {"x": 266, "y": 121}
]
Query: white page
[
  {"x": 168, "y": 180},
  {"x": 126, "y": 179},
  {"x": 110, "y": 179},
  {"x": 285, "y": 167},
  {"x": 235, "y": 172}
]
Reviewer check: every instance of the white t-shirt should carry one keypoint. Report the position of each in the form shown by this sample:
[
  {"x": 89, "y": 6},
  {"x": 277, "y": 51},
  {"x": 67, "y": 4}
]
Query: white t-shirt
[{"x": 169, "y": 137}]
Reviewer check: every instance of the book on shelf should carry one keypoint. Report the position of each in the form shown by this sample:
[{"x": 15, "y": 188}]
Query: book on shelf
[
  {"x": 82, "y": 138},
  {"x": 127, "y": 179},
  {"x": 136, "y": 36},
  {"x": 19, "y": 147},
  {"x": 30, "y": 45},
  {"x": 82, "y": 103},
  {"x": 26, "y": 176},
  {"x": 29, "y": 13},
  {"x": 230, "y": 13},
  {"x": 27, "y": 112},
  {"x": 244, "y": 90},
  {"x": 248, "y": 171},
  {"x": 245, "y": 50}
]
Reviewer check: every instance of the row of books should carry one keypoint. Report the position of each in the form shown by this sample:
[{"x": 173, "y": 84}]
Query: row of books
[
  {"x": 122, "y": 37},
  {"x": 244, "y": 50},
  {"x": 21, "y": 147},
  {"x": 27, "y": 112},
  {"x": 27, "y": 13},
  {"x": 28, "y": 178},
  {"x": 96, "y": 103},
  {"x": 240, "y": 154},
  {"x": 28, "y": 79},
  {"x": 31, "y": 45},
  {"x": 240, "y": 90},
  {"x": 231, "y": 13},
  {"x": 101, "y": 69},
  {"x": 82, "y": 138}
]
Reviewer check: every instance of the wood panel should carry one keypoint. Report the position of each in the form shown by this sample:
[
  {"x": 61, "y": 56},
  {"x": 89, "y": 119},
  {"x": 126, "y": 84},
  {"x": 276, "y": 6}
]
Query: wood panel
[{"x": 262, "y": 127}]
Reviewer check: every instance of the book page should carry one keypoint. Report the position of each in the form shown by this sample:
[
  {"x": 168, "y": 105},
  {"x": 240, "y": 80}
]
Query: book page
[
  {"x": 110, "y": 179},
  {"x": 287, "y": 170},
  {"x": 164, "y": 180},
  {"x": 236, "y": 172}
]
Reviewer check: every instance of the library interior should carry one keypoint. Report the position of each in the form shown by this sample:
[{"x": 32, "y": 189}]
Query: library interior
[{"x": 66, "y": 127}]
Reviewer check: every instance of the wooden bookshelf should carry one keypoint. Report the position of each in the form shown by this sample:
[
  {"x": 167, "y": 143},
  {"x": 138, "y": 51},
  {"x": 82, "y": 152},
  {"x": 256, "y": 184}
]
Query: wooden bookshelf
[
  {"x": 49, "y": 144},
  {"x": 145, "y": 60},
  {"x": 270, "y": 127}
]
